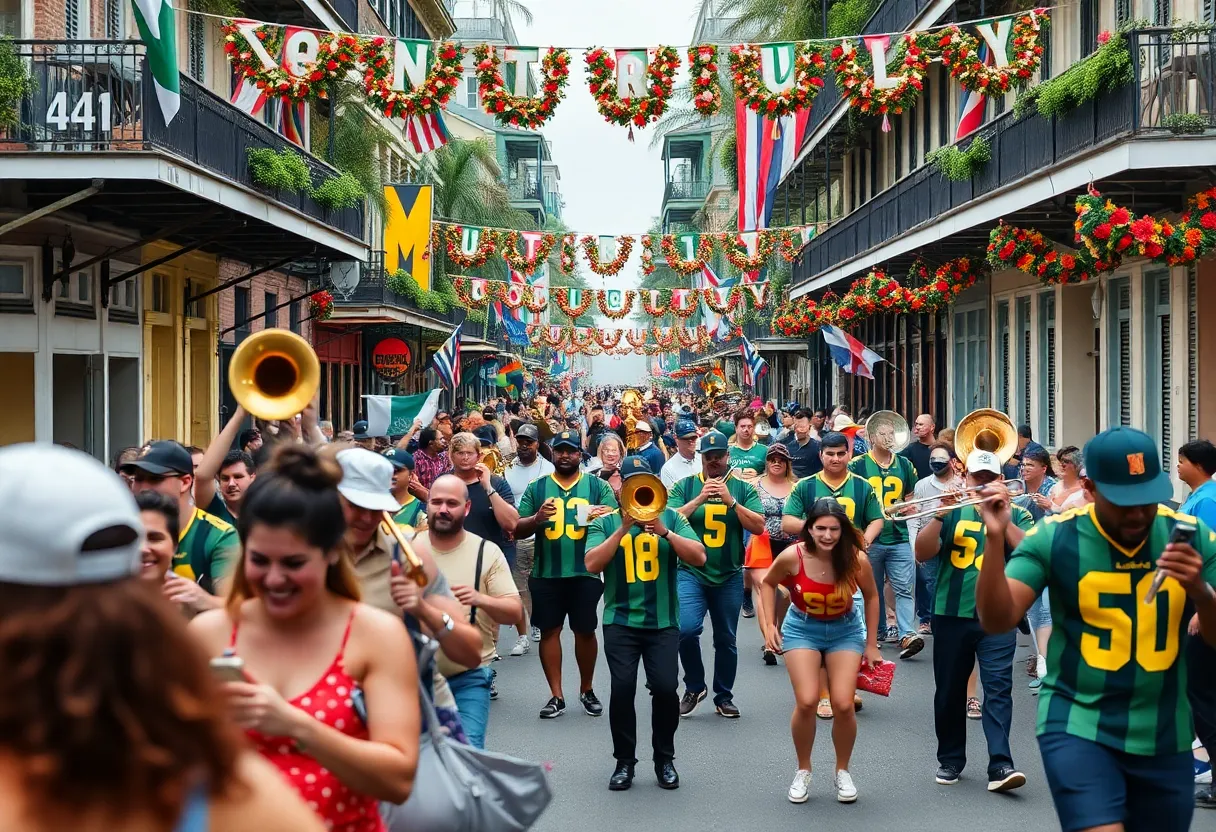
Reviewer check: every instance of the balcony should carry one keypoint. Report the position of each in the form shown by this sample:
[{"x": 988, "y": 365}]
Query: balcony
[
  {"x": 524, "y": 188},
  {"x": 373, "y": 291},
  {"x": 694, "y": 190},
  {"x": 98, "y": 97},
  {"x": 482, "y": 29}
]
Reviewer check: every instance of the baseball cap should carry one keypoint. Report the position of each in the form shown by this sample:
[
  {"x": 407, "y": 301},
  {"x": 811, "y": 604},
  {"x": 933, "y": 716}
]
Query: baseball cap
[
  {"x": 762, "y": 428},
  {"x": 162, "y": 459},
  {"x": 1124, "y": 465},
  {"x": 983, "y": 461},
  {"x": 631, "y": 465},
  {"x": 792, "y": 407},
  {"x": 400, "y": 458},
  {"x": 844, "y": 422},
  {"x": 52, "y": 501},
  {"x": 360, "y": 429},
  {"x": 685, "y": 428},
  {"x": 713, "y": 441},
  {"x": 777, "y": 449},
  {"x": 644, "y": 426},
  {"x": 567, "y": 438},
  {"x": 527, "y": 431},
  {"x": 487, "y": 435},
  {"x": 367, "y": 480}
]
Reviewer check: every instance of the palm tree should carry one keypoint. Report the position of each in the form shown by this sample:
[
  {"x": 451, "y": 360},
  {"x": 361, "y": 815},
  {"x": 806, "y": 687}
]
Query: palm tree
[
  {"x": 468, "y": 186},
  {"x": 774, "y": 20}
]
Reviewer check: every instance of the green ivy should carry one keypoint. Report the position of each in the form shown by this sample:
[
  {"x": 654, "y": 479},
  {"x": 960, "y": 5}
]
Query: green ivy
[
  {"x": 1185, "y": 123},
  {"x": 959, "y": 165},
  {"x": 477, "y": 316},
  {"x": 338, "y": 192},
  {"x": 848, "y": 17},
  {"x": 1103, "y": 72},
  {"x": 16, "y": 83},
  {"x": 728, "y": 157},
  {"x": 280, "y": 170},
  {"x": 433, "y": 302},
  {"x": 402, "y": 283}
]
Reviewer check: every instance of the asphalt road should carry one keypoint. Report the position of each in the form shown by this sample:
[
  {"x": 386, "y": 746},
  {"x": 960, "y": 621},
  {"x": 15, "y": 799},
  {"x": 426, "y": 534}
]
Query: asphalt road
[{"x": 734, "y": 773}]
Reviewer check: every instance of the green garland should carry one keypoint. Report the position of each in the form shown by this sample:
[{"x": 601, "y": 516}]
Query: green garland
[
  {"x": 1103, "y": 72},
  {"x": 338, "y": 192},
  {"x": 286, "y": 170},
  {"x": 959, "y": 165},
  {"x": 16, "y": 83}
]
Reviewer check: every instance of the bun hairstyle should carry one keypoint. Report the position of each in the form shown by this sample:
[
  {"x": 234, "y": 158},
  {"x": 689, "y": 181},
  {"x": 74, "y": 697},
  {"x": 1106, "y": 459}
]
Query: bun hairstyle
[{"x": 297, "y": 489}]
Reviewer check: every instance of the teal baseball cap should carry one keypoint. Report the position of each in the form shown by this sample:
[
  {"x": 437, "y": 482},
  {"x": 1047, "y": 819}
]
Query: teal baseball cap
[
  {"x": 631, "y": 465},
  {"x": 1125, "y": 466},
  {"x": 567, "y": 439},
  {"x": 713, "y": 441}
]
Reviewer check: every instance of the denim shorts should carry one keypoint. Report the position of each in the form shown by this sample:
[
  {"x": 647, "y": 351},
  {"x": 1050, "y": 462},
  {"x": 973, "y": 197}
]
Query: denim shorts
[
  {"x": 1039, "y": 614},
  {"x": 802, "y": 632}
]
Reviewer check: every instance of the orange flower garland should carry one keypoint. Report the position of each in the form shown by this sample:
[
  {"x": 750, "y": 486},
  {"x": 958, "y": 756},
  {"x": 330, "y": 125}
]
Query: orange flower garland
[
  {"x": 601, "y": 299},
  {"x": 521, "y": 111},
  {"x": 520, "y": 263},
  {"x": 591, "y": 250},
  {"x": 647, "y": 255},
  {"x": 569, "y": 254},
  {"x": 960, "y": 53},
  {"x": 562, "y": 295},
  {"x": 485, "y": 247},
  {"x": 705, "y": 250},
  {"x": 729, "y": 245}
]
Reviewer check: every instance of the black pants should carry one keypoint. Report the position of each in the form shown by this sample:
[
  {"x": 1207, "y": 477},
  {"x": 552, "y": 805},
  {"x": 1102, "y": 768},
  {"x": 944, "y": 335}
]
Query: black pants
[
  {"x": 659, "y": 651},
  {"x": 957, "y": 644},
  {"x": 1201, "y": 690}
]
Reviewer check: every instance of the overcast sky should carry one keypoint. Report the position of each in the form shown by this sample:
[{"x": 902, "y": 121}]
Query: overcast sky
[{"x": 610, "y": 185}]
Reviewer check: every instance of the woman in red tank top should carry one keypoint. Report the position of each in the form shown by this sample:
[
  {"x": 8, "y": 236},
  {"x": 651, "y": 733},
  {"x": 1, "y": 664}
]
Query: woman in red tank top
[
  {"x": 825, "y": 626},
  {"x": 310, "y": 649}
]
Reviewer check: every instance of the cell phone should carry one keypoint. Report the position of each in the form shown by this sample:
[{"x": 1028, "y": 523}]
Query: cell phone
[
  {"x": 228, "y": 668},
  {"x": 1183, "y": 533}
]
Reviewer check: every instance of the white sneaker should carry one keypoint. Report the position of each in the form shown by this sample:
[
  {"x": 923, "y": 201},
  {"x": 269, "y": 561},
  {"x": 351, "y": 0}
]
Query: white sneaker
[
  {"x": 522, "y": 646},
  {"x": 1040, "y": 666},
  {"x": 801, "y": 787},
  {"x": 536, "y": 633},
  {"x": 846, "y": 792}
]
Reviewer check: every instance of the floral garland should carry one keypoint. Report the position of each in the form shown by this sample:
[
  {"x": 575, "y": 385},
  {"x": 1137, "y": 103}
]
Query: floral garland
[
  {"x": 705, "y": 250},
  {"x": 535, "y": 301},
  {"x": 684, "y": 312},
  {"x": 485, "y": 247},
  {"x": 656, "y": 310},
  {"x": 728, "y": 244},
  {"x": 521, "y": 111},
  {"x": 856, "y": 80},
  {"x": 1025, "y": 249},
  {"x": 601, "y": 299},
  {"x": 428, "y": 99},
  {"x": 647, "y": 255},
  {"x": 703, "y": 76},
  {"x": 591, "y": 337},
  {"x": 504, "y": 294},
  {"x": 733, "y": 296},
  {"x": 321, "y": 306},
  {"x": 462, "y": 284},
  {"x": 1109, "y": 231},
  {"x": 568, "y": 260},
  {"x": 562, "y": 295},
  {"x": 635, "y": 112},
  {"x": 636, "y": 337},
  {"x": 521, "y": 263},
  {"x": 335, "y": 55},
  {"x": 960, "y": 52},
  {"x": 745, "y": 68},
  {"x": 591, "y": 250},
  {"x": 664, "y": 342},
  {"x": 608, "y": 339}
]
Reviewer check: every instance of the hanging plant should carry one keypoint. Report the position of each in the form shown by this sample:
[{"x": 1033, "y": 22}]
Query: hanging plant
[
  {"x": 427, "y": 99},
  {"x": 562, "y": 296},
  {"x": 656, "y": 301},
  {"x": 568, "y": 257},
  {"x": 854, "y": 75},
  {"x": 321, "y": 306},
  {"x": 959, "y": 165},
  {"x": 729, "y": 245},
  {"x": 521, "y": 111},
  {"x": 647, "y": 255},
  {"x": 705, "y": 250},
  {"x": 733, "y": 296},
  {"x": 960, "y": 53},
  {"x": 519, "y": 262},
  {"x": 486, "y": 245},
  {"x": 704, "y": 80},
  {"x": 591, "y": 250},
  {"x": 462, "y": 285},
  {"x": 635, "y": 112},
  {"x": 747, "y": 75},
  {"x": 1025, "y": 249},
  {"x": 627, "y": 297}
]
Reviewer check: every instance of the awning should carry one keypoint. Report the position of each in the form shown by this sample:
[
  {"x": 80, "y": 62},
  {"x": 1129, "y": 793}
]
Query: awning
[{"x": 345, "y": 314}]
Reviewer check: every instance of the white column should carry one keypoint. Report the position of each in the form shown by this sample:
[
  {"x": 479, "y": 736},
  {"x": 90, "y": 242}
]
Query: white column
[
  {"x": 1139, "y": 394},
  {"x": 44, "y": 405}
]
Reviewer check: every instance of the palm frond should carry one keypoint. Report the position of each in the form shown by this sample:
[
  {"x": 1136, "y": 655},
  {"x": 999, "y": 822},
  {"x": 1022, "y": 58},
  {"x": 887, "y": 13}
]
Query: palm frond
[{"x": 514, "y": 8}]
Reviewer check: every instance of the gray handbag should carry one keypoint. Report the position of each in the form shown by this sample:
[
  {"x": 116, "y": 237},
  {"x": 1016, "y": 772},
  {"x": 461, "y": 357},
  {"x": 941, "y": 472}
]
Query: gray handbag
[{"x": 459, "y": 788}]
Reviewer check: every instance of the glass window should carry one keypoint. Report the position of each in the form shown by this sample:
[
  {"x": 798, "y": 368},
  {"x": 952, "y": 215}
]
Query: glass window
[
  {"x": 196, "y": 30},
  {"x": 123, "y": 295},
  {"x": 13, "y": 280},
  {"x": 84, "y": 286},
  {"x": 470, "y": 91},
  {"x": 970, "y": 360},
  {"x": 293, "y": 317},
  {"x": 272, "y": 314},
  {"x": 240, "y": 307},
  {"x": 1046, "y": 431}
]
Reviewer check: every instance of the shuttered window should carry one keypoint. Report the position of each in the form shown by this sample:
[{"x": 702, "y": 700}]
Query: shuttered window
[
  {"x": 1123, "y": 11},
  {"x": 114, "y": 20},
  {"x": 1158, "y": 363},
  {"x": 970, "y": 361},
  {"x": 1002, "y": 358},
  {"x": 1209, "y": 11},
  {"x": 1047, "y": 369},
  {"x": 1119, "y": 368},
  {"x": 71, "y": 20},
  {"x": 196, "y": 30},
  {"x": 1161, "y": 12},
  {"x": 1192, "y": 353},
  {"x": 1024, "y": 358},
  {"x": 1089, "y": 26}
]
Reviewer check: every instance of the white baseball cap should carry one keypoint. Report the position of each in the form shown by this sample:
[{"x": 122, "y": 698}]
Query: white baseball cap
[
  {"x": 983, "y": 461},
  {"x": 644, "y": 426},
  {"x": 367, "y": 480},
  {"x": 844, "y": 422},
  {"x": 52, "y": 501}
]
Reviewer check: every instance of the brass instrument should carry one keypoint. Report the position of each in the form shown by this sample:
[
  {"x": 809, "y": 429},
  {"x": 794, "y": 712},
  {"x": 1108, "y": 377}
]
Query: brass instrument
[
  {"x": 906, "y": 510},
  {"x": 631, "y": 410},
  {"x": 413, "y": 568},
  {"x": 492, "y": 458},
  {"x": 643, "y": 497},
  {"x": 274, "y": 374},
  {"x": 986, "y": 430},
  {"x": 900, "y": 433}
]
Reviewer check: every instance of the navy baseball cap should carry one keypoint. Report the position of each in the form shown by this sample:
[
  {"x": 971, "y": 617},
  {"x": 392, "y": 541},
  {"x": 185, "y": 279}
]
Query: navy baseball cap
[
  {"x": 568, "y": 438},
  {"x": 685, "y": 428},
  {"x": 400, "y": 457},
  {"x": 360, "y": 430},
  {"x": 486, "y": 435},
  {"x": 713, "y": 441},
  {"x": 1126, "y": 468},
  {"x": 631, "y": 465},
  {"x": 162, "y": 459}
]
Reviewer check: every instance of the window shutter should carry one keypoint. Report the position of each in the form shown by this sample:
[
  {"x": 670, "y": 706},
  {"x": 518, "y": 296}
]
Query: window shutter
[
  {"x": 71, "y": 20},
  {"x": 1161, "y": 12},
  {"x": 114, "y": 19},
  {"x": 1164, "y": 381},
  {"x": 1192, "y": 345},
  {"x": 197, "y": 35},
  {"x": 1125, "y": 355}
]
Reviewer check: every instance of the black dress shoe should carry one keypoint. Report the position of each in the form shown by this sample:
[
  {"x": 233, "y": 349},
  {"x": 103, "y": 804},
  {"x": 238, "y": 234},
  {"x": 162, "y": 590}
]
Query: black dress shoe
[
  {"x": 666, "y": 772},
  {"x": 622, "y": 778}
]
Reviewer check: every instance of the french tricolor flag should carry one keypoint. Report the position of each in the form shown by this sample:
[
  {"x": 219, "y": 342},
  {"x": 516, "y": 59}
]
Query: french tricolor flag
[{"x": 853, "y": 356}]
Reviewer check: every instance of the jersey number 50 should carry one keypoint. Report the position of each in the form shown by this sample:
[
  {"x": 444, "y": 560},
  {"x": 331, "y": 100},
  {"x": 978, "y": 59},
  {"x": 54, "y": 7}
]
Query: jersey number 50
[{"x": 1118, "y": 625}]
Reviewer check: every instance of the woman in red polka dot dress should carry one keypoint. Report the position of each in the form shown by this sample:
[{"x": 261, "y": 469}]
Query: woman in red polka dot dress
[{"x": 310, "y": 649}]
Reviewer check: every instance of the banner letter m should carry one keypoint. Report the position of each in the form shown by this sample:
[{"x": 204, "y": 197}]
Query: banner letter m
[{"x": 407, "y": 231}]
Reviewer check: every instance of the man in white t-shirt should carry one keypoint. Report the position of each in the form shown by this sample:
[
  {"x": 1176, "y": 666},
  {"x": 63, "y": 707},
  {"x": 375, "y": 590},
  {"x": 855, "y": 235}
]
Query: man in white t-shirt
[
  {"x": 685, "y": 461},
  {"x": 527, "y": 466}
]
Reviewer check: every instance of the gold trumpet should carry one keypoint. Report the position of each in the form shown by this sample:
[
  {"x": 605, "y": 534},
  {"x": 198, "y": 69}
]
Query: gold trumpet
[
  {"x": 414, "y": 570},
  {"x": 492, "y": 458},
  {"x": 274, "y": 374},
  {"x": 906, "y": 510},
  {"x": 643, "y": 497}
]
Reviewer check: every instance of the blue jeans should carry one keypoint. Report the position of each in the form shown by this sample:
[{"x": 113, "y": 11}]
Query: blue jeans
[
  {"x": 723, "y": 604},
  {"x": 472, "y": 692},
  {"x": 957, "y": 644},
  {"x": 926, "y": 588},
  {"x": 895, "y": 560}
]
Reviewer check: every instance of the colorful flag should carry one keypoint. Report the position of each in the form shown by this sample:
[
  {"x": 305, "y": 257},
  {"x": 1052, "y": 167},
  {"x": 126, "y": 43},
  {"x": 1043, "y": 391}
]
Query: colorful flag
[
  {"x": 718, "y": 325},
  {"x": 852, "y": 355},
  {"x": 247, "y": 96},
  {"x": 427, "y": 132},
  {"x": 510, "y": 373},
  {"x": 754, "y": 367},
  {"x": 157, "y": 29},
  {"x": 446, "y": 360},
  {"x": 393, "y": 415},
  {"x": 766, "y": 150},
  {"x": 971, "y": 104}
]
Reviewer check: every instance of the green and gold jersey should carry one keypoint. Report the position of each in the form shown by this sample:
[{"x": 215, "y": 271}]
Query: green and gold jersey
[
  {"x": 750, "y": 460},
  {"x": 640, "y": 580},
  {"x": 717, "y": 526},
  {"x": 207, "y": 550},
  {"x": 409, "y": 512},
  {"x": 561, "y": 544},
  {"x": 854, "y": 493},
  {"x": 219, "y": 509},
  {"x": 891, "y": 484},
  {"x": 1116, "y": 671},
  {"x": 960, "y": 555}
]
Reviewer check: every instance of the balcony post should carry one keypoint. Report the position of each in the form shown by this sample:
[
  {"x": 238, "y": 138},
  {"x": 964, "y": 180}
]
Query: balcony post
[
  {"x": 1134, "y": 36},
  {"x": 802, "y": 193},
  {"x": 827, "y": 179}
]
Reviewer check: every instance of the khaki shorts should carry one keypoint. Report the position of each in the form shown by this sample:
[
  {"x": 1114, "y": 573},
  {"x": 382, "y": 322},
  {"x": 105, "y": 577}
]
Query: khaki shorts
[{"x": 525, "y": 552}]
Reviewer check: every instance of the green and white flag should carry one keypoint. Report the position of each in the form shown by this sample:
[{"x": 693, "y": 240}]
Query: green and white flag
[
  {"x": 157, "y": 28},
  {"x": 393, "y": 415}
]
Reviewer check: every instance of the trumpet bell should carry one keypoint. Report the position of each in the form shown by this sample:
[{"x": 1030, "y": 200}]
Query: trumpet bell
[
  {"x": 896, "y": 438},
  {"x": 986, "y": 430},
  {"x": 643, "y": 497},
  {"x": 274, "y": 374},
  {"x": 492, "y": 459}
]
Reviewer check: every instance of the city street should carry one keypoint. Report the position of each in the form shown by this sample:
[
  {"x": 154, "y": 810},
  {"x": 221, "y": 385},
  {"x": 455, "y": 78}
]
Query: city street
[{"x": 734, "y": 774}]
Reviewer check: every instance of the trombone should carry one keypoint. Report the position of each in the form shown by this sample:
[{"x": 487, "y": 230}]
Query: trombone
[{"x": 906, "y": 510}]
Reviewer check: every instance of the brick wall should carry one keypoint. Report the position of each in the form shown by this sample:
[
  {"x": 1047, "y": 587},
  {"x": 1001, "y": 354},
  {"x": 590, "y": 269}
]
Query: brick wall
[{"x": 276, "y": 283}]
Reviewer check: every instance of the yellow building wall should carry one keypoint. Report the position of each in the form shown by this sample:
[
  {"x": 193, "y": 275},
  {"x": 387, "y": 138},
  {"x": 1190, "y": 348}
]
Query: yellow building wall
[{"x": 17, "y": 418}]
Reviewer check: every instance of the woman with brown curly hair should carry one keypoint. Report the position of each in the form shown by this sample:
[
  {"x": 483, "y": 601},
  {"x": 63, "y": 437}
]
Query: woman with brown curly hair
[
  {"x": 310, "y": 650},
  {"x": 109, "y": 718}
]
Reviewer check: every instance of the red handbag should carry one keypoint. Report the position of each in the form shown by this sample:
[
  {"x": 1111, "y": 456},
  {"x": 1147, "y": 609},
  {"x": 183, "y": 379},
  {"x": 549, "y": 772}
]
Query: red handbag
[{"x": 876, "y": 679}]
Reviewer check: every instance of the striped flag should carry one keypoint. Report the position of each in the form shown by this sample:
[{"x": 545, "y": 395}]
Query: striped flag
[
  {"x": 446, "y": 360},
  {"x": 718, "y": 325},
  {"x": 853, "y": 356},
  {"x": 393, "y": 415},
  {"x": 427, "y": 132},
  {"x": 971, "y": 104},
  {"x": 754, "y": 367},
  {"x": 247, "y": 96},
  {"x": 765, "y": 152}
]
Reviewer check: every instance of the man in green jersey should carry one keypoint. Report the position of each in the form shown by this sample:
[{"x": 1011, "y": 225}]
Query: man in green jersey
[
  {"x": 413, "y": 510},
  {"x": 747, "y": 455},
  {"x": 641, "y": 622},
  {"x": 207, "y": 548},
  {"x": 1114, "y": 722},
  {"x": 836, "y": 481},
  {"x": 556, "y": 508},
  {"x": 956, "y": 536},
  {"x": 893, "y": 478},
  {"x": 719, "y": 508}
]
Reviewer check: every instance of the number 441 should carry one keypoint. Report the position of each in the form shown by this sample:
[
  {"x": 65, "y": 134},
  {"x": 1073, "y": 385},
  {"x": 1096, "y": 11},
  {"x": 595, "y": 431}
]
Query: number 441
[{"x": 82, "y": 114}]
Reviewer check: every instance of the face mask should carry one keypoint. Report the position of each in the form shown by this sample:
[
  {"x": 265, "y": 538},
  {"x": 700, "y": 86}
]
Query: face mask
[{"x": 938, "y": 465}]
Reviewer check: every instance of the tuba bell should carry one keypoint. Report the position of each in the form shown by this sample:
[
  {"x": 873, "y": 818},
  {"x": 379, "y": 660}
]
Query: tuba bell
[
  {"x": 643, "y": 497},
  {"x": 986, "y": 430},
  {"x": 900, "y": 434},
  {"x": 274, "y": 374},
  {"x": 492, "y": 459}
]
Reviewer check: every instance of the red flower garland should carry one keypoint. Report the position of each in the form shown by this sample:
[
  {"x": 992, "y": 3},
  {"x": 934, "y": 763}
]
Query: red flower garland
[
  {"x": 664, "y": 342},
  {"x": 485, "y": 247},
  {"x": 336, "y": 53},
  {"x": 745, "y": 67},
  {"x": 960, "y": 52},
  {"x": 732, "y": 300},
  {"x": 683, "y": 312},
  {"x": 608, "y": 339},
  {"x": 601, "y": 299},
  {"x": 1025, "y": 249},
  {"x": 855, "y": 77},
  {"x": 521, "y": 111},
  {"x": 535, "y": 302},
  {"x": 705, "y": 250},
  {"x": 636, "y": 112},
  {"x": 462, "y": 284},
  {"x": 703, "y": 79},
  {"x": 591, "y": 250},
  {"x": 729, "y": 245},
  {"x": 647, "y": 255},
  {"x": 632, "y": 336},
  {"x": 519, "y": 262},
  {"x": 1110, "y": 232},
  {"x": 428, "y": 99},
  {"x": 321, "y": 306},
  {"x": 568, "y": 260},
  {"x": 562, "y": 296},
  {"x": 656, "y": 310}
]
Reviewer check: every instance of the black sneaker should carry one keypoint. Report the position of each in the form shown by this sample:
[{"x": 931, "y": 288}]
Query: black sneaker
[
  {"x": 727, "y": 709},
  {"x": 749, "y": 609},
  {"x": 947, "y": 775},
  {"x": 1205, "y": 799},
  {"x": 690, "y": 701},
  {"x": 494, "y": 689},
  {"x": 770, "y": 658},
  {"x": 555, "y": 707},
  {"x": 1006, "y": 779},
  {"x": 591, "y": 703}
]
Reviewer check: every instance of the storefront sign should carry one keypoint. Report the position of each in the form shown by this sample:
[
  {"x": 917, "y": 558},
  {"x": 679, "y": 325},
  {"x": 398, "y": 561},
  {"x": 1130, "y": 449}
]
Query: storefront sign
[{"x": 391, "y": 358}]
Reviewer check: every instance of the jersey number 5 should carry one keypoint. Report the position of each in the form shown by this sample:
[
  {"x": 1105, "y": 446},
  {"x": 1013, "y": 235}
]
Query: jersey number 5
[
  {"x": 1118, "y": 625},
  {"x": 715, "y": 525},
  {"x": 964, "y": 555},
  {"x": 641, "y": 557}
]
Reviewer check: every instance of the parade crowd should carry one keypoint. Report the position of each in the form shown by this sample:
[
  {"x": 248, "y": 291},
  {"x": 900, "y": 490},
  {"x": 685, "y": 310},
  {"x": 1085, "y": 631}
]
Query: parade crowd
[{"x": 235, "y": 637}]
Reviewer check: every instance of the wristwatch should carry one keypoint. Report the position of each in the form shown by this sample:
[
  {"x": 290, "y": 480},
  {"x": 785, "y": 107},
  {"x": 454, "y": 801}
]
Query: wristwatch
[
  {"x": 666, "y": 534},
  {"x": 448, "y": 626}
]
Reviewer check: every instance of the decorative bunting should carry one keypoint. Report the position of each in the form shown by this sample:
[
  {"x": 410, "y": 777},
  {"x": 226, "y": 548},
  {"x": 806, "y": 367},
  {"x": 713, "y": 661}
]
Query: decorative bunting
[
  {"x": 1016, "y": 37},
  {"x": 688, "y": 262},
  {"x": 777, "y": 79},
  {"x": 633, "y": 88},
  {"x": 881, "y": 94},
  {"x": 517, "y": 108},
  {"x": 398, "y": 83},
  {"x": 591, "y": 250},
  {"x": 537, "y": 247},
  {"x": 703, "y": 78}
]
